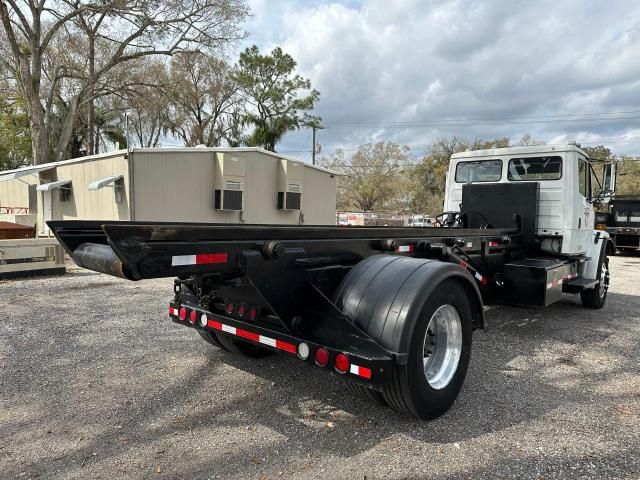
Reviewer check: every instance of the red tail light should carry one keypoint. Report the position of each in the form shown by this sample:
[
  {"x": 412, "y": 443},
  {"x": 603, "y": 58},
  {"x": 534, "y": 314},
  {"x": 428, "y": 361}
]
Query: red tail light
[
  {"x": 241, "y": 310},
  {"x": 193, "y": 316},
  {"x": 253, "y": 313},
  {"x": 342, "y": 363},
  {"x": 230, "y": 308},
  {"x": 182, "y": 314},
  {"x": 322, "y": 357}
]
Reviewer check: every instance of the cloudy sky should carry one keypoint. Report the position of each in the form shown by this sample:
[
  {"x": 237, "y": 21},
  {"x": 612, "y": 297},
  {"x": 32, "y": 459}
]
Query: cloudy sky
[{"x": 410, "y": 71}]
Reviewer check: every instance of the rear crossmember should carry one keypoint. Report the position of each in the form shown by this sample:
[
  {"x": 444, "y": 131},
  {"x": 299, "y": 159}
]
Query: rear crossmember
[{"x": 371, "y": 371}]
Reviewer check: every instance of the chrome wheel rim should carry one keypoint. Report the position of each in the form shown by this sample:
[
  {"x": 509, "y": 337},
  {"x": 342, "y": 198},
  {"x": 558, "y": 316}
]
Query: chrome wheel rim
[
  {"x": 604, "y": 279},
  {"x": 442, "y": 347}
]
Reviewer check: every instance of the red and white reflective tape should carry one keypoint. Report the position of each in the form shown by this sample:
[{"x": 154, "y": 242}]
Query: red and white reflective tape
[
  {"x": 198, "y": 259},
  {"x": 405, "y": 248},
  {"x": 481, "y": 278},
  {"x": 358, "y": 370},
  {"x": 560, "y": 281},
  {"x": 247, "y": 335},
  {"x": 363, "y": 372}
]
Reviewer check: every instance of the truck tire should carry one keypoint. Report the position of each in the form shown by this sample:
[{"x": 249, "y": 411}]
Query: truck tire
[
  {"x": 241, "y": 347},
  {"x": 611, "y": 249},
  {"x": 366, "y": 393},
  {"x": 597, "y": 296},
  {"x": 211, "y": 338},
  {"x": 431, "y": 306}
]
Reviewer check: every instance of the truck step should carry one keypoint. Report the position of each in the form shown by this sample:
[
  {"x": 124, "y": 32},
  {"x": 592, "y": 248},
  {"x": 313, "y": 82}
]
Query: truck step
[{"x": 582, "y": 283}]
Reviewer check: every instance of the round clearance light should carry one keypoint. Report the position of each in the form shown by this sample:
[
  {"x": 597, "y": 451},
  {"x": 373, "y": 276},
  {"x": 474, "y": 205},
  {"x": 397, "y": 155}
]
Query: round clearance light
[
  {"x": 230, "y": 308},
  {"x": 203, "y": 320},
  {"x": 322, "y": 357},
  {"x": 182, "y": 313},
  {"x": 241, "y": 310},
  {"x": 303, "y": 351},
  {"x": 342, "y": 363},
  {"x": 193, "y": 316}
]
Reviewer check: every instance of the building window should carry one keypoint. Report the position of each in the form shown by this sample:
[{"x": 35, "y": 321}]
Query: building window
[
  {"x": 65, "y": 194},
  {"x": 118, "y": 190}
]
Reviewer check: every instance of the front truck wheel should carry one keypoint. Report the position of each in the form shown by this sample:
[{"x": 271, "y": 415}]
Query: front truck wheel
[
  {"x": 424, "y": 310},
  {"x": 597, "y": 296}
]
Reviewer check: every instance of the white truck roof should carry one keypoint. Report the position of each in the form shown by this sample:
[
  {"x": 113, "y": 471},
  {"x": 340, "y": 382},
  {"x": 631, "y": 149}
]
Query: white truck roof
[{"x": 492, "y": 152}]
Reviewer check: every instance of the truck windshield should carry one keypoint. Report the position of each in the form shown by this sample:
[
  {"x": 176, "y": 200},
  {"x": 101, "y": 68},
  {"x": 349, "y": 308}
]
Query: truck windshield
[
  {"x": 479, "y": 171},
  {"x": 535, "y": 168}
]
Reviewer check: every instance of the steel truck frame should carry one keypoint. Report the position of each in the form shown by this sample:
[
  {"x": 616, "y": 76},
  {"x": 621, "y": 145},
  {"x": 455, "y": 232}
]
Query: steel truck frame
[
  {"x": 391, "y": 310},
  {"x": 255, "y": 288}
]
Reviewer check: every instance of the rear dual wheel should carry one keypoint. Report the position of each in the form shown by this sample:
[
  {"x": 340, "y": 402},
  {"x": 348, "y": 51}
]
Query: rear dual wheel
[{"x": 378, "y": 296}]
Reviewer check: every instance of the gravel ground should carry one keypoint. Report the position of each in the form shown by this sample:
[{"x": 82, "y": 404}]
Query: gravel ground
[{"x": 95, "y": 382}]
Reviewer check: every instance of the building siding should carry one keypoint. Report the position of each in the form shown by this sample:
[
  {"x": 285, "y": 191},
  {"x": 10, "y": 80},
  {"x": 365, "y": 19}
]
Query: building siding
[
  {"x": 174, "y": 185},
  {"x": 177, "y": 185},
  {"x": 319, "y": 185},
  {"x": 15, "y": 193},
  {"x": 85, "y": 204}
]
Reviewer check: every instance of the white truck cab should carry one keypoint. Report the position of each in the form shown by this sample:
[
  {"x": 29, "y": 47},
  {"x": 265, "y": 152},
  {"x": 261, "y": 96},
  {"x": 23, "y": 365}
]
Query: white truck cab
[{"x": 568, "y": 188}]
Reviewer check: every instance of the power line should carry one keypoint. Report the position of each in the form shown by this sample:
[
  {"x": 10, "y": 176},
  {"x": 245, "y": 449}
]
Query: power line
[
  {"x": 568, "y": 117},
  {"x": 434, "y": 124},
  {"x": 420, "y": 147}
]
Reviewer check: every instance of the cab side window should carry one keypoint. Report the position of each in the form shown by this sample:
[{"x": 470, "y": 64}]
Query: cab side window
[{"x": 583, "y": 178}]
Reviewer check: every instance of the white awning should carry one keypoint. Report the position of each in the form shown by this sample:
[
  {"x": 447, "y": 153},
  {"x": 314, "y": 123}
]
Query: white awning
[
  {"x": 24, "y": 172},
  {"x": 104, "y": 182},
  {"x": 45, "y": 187}
]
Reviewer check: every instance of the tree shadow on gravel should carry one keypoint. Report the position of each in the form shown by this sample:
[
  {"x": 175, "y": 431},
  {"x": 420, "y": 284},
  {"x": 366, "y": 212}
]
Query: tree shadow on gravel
[
  {"x": 500, "y": 391},
  {"x": 313, "y": 411}
]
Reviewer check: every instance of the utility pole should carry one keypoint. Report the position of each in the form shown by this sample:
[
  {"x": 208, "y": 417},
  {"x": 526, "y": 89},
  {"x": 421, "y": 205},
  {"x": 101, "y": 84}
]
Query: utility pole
[
  {"x": 126, "y": 130},
  {"x": 314, "y": 148}
]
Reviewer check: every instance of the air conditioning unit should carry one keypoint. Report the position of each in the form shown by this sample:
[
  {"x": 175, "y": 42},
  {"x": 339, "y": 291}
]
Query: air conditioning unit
[
  {"x": 228, "y": 182},
  {"x": 290, "y": 184}
]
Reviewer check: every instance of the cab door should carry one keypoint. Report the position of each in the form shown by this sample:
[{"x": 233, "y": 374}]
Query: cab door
[{"x": 585, "y": 215}]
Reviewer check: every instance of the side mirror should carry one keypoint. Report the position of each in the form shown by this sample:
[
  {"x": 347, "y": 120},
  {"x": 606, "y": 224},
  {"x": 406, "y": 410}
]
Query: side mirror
[
  {"x": 605, "y": 197},
  {"x": 609, "y": 179}
]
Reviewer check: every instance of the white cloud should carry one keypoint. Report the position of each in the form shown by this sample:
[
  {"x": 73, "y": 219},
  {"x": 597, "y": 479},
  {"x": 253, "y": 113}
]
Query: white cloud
[{"x": 410, "y": 60}]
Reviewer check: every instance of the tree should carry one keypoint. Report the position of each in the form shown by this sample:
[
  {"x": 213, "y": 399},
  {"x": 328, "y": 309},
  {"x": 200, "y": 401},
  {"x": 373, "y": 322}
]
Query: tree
[
  {"x": 371, "y": 180},
  {"x": 428, "y": 178},
  {"x": 628, "y": 169},
  {"x": 599, "y": 152},
  {"x": 203, "y": 94},
  {"x": 628, "y": 180},
  {"x": 528, "y": 140},
  {"x": 122, "y": 32},
  {"x": 145, "y": 104},
  {"x": 15, "y": 139},
  {"x": 272, "y": 91}
]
